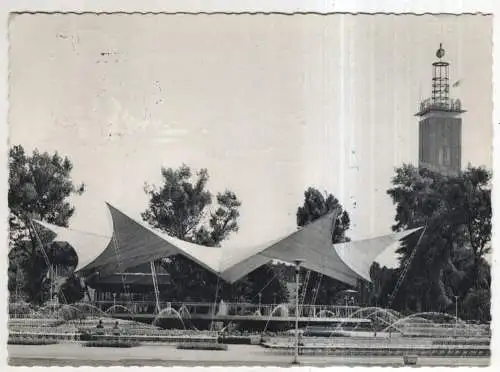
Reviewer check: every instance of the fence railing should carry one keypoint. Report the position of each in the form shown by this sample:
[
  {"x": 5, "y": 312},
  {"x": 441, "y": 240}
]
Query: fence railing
[{"x": 231, "y": 308}]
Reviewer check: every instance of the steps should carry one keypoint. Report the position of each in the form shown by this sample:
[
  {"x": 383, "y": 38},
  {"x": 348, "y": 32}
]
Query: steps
[{"x": 385, "y": 350}]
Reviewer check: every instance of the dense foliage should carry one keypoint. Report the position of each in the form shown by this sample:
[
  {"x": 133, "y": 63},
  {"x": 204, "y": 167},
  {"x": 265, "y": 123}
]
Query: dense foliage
[
  {"x": 71, "y": 290},
  {"x": 40, "y": 186},
  {"x": 450, "y": 261}
]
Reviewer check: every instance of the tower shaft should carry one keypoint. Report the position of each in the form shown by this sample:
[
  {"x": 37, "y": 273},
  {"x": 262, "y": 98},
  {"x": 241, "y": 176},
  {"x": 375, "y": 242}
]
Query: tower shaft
[{"x": 440, "y": 125}]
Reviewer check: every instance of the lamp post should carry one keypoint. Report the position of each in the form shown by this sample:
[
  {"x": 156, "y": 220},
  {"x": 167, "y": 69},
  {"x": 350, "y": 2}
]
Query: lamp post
[
  {"x": 297, "y": 282},
  {"x": 260, "y": 301},
  {"x": 456, "y": 314},
  {"x": 313, "y": 307},
  {"x": 51, "y": 288},
  {"x": 114, "y": 300}
]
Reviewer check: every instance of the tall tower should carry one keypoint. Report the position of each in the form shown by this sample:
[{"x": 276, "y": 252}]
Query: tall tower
[{"x": 440, "y": 125}]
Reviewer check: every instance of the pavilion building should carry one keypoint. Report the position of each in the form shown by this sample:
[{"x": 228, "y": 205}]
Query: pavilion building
[{"x": 128, "y": 255}]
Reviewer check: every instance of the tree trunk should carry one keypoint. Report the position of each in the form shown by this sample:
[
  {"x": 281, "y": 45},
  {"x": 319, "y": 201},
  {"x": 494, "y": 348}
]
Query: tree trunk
[
  {"x": 475, "y": 275},
  {"x": 457, "y": 273},
  {"x": 440, "y": 300},
  {"x": 419, "y": 305},
  {"x": 470, "y": 281}
]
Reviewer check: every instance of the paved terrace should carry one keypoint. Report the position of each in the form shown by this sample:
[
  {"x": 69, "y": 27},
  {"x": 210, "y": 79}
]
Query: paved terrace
[{"x": 236, "y": 355}]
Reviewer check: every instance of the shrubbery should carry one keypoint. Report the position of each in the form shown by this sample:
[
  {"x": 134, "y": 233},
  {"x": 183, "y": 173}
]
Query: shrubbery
[
  {"x": 112, "y": 343},
  {"x": 71, "y": 314},
  {"x": 30, "y": 340},
  {"x": 202, "y": 346},
  {"x": 21, "y": 308}
]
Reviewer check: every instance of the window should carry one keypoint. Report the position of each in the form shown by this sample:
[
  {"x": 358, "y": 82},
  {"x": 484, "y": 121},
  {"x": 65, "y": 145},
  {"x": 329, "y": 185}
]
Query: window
[{"x": 445, "y": 156}]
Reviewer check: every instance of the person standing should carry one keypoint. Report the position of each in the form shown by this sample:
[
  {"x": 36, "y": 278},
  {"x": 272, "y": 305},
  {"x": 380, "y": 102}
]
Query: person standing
[{"x": 116, "y": 329}]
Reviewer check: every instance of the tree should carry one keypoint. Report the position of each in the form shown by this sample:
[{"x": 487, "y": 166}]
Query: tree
[
  {"x": 182, "y": 207},
  {"x": 457, "y": 213},
  {"x": 266, "y": 281},
  {"x": 383, "y": 281},
  {"x": 40, "y": 186},
  {"x": 476, "y": 305},
  {"x": 72, "y": 290},
  {"x": 28, "y": 270},
  {"x": 316, "y": 205},
  {"x": 474, "y": 198}
]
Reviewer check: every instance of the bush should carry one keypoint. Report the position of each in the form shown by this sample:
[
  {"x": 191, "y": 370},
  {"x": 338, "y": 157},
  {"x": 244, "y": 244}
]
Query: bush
[
  {"x": 465, "y": 341},
  {"x": 233, "y": 340},
  {"x": 21, "y": 308},
  {"x": 85, "y": 335},
  {"x": 112, "y": 343},
  {"x": 23, "y": 340},
  {"x": 71, "y": 314},
  {"x": 202, "y": 346},
  {"x": 477, "y": 305},
  {"x": 71, "y": 290}
]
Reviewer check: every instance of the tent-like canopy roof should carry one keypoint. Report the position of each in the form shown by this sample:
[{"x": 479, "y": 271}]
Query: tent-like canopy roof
[{"x": 133, "y": 243}]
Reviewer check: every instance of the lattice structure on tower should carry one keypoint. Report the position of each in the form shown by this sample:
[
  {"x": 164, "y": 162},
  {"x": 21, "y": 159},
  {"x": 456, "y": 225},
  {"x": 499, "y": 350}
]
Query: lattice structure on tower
[
  {"x": 440, "y": 98},
  {"x": 440, "y": 79}
]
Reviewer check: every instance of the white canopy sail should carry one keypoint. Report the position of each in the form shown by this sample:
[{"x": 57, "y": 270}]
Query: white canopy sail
[{"x": 133, "y": 243}]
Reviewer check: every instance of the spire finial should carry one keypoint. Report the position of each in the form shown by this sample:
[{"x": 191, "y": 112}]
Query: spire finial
[{"x": 440, "y": 51}]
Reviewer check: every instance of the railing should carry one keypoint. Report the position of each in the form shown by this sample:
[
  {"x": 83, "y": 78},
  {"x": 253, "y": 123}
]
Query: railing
[
  {"x": 230, "y": 308},
  {"x": 452, "y": 105}
]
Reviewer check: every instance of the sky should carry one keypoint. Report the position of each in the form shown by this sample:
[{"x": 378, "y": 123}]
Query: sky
[{"x": 269, "y": 104}]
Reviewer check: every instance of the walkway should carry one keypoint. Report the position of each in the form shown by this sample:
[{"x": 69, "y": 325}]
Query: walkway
[{"x": 238, "y": 355}]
